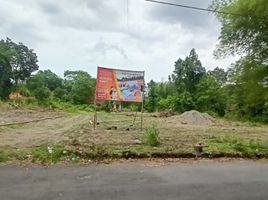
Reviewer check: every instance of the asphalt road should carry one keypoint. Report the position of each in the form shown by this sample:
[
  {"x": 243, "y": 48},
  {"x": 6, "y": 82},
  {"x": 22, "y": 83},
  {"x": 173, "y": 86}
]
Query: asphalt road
[{"x": 204, "y": 180}]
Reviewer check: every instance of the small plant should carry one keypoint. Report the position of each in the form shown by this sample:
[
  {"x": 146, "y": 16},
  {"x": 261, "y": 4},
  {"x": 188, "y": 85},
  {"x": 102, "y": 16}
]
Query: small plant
[
  {"x": 151, "y": 136},
  {"x": 46, "y": 153}
]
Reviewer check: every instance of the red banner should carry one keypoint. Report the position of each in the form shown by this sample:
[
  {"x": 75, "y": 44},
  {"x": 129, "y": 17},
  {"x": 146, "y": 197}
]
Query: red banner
[{"x": 119, "y": 85}]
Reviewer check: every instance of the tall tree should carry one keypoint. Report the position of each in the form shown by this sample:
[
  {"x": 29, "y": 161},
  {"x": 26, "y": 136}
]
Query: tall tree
[
  {"x": 249, "y": 94},
  {"x": 23, "y": 61},
  {"x": 188, "y": 73},
  {"x": 5, "y": 74},
  {"x": 245, "y": 33},
  {"x": 151, "y": 104}
]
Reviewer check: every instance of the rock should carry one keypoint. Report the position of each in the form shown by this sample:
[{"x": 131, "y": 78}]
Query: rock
[{"x": 137, "y": 141}]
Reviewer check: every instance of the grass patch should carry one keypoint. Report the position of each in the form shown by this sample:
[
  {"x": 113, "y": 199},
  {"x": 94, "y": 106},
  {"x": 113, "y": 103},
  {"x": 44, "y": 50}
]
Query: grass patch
[
  {"x": 151, "y": 136},
  {"x": 233, "y": 144},
  {"x": 8, "y": 153},
  {"x": 49, "y": 153},
  {"x": 70, "y": 108}
]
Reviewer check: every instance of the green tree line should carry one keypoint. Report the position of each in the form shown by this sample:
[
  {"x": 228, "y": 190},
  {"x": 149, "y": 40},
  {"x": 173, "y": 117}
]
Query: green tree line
[{"x": 17, "y": 64}]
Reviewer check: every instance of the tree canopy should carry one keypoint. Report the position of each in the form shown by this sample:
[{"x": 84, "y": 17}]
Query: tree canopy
[
  {"x": 23, "y": 61},
  {"x": 245, "y": 33}
]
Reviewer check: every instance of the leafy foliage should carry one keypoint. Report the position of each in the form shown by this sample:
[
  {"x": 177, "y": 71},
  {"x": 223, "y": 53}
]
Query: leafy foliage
[
  {"x": 210, "y": 96},
  {"x": 151, "y": 102},
  {"x": 23, "y": 61},
  {"x": 219, "y": 75},
  {"x": 246, "y": 34},
  {"x": 188, "y": 73},
  {"x": 80, "y": 85},
  {"x": 5, "y": 74}
]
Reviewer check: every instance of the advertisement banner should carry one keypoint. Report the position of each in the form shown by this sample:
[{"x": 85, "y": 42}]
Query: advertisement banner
[{"x": 119, "y": 85}]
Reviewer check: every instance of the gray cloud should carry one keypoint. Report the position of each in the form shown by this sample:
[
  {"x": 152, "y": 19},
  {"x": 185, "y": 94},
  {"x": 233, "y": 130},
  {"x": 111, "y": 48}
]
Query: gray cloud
[
  {"x": 188, "y": 18},
  {"x": 90, "y": 15},
  {"x": 111, "y": 33},
  {"x": 50, "y": 7},
  {"x": 104, "y": 48}
]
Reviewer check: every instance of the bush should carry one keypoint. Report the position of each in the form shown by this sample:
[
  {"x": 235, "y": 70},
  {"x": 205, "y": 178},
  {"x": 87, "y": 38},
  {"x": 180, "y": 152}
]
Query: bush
[{"x": 151, "y": 136}]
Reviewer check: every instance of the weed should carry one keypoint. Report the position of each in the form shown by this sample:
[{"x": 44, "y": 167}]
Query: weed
[
  {"x": 232, "y": 144},
  {"x": 151, "y": 136},
  {"x": 3, "y": 156},
  {"x": 44, "y": 154},
  {"x": 8, "y": 153}
]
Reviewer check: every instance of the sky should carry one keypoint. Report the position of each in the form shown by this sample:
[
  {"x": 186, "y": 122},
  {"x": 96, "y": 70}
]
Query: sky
[{"x": 124, "y": 34}]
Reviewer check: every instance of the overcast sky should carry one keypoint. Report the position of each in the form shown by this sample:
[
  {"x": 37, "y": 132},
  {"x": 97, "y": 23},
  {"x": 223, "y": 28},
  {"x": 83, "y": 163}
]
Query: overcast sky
[{"x": 125, "y": 34}]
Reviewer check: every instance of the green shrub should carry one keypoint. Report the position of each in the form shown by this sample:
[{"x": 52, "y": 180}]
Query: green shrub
[{"x": 151, "y": 136}]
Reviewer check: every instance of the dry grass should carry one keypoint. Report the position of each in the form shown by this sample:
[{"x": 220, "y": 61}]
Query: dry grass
[{"x": 76, "y": 134}]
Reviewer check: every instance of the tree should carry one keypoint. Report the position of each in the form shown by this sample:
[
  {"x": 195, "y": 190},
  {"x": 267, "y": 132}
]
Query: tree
[
  {"x": 51, "y": 80},
  {"x": 42, "y": 94},
  {"x": 80, "y": 85},
  {"x": 245, "y": 33},
  {"x": 38, "y": 88},
  {"x": 5, "y": 74},
  {"x": 23, "y": 61},
  {"x": 248, "y": 93},
  {"x": 188, "y": 73},
  {"x": 186, "y": 76},
  {"x": 45, "y": 78},
  {"x": 151, "y": 104},
  {"x": 210, "y": 96},
  {"x": 219, "y": 75}
]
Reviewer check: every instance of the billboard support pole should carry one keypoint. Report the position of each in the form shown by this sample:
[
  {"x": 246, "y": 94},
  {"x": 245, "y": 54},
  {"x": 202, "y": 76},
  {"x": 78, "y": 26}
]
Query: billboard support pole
[
  {"x": 141, "y": 114},
  {"x": 142, "y": 102},
  {"x": 135, "y": 116},
  {"x": 95, "y": 101},
  {"x": 95, "y": 115}
]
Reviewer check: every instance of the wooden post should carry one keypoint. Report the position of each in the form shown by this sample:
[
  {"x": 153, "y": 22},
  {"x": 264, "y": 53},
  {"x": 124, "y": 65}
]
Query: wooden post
[
  {"x": 95, "y": 114},
  {"x": 95, "y": 101},
  {"x": 142, "y": 114},
  {"x": 142, "y": 100},
  {"x": 135, "y": 116}
]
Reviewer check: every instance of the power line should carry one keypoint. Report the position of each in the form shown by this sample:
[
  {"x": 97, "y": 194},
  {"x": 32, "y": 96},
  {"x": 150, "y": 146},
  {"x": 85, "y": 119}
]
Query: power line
[{"x": 203, "y": 9}]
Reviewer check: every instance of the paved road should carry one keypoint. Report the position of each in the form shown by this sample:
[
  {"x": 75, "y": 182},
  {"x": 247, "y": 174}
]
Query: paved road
[{"x": 205, "y": 180}]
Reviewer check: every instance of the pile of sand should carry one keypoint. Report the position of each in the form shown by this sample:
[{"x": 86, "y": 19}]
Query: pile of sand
[{"x": 193, "y": 117}]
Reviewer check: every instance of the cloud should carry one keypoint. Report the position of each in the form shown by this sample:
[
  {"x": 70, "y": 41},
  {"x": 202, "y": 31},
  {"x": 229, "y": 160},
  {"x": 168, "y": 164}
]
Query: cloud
[
  {"x": 90, "y": 15},
  {"x": 50, "y": 7},
  {"x": 103, "y": 48},
  {"x": 133, "y": 34}
]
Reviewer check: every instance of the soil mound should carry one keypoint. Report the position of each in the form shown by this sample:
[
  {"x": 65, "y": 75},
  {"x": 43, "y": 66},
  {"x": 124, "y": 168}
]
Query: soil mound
[{"x": 193, "y": 117}]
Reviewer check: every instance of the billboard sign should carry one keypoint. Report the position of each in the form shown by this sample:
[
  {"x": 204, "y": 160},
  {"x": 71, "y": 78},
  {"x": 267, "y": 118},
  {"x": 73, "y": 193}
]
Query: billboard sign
[{"x": 119, "y": 85}]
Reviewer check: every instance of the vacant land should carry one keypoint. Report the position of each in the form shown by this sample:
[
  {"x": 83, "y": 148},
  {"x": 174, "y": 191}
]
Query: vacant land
[{"x": 26, "y": 134}]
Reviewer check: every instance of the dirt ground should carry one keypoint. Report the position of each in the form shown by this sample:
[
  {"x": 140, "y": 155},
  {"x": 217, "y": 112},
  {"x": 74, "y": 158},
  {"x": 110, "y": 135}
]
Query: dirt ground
[{"x": 59, "y": 127}]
